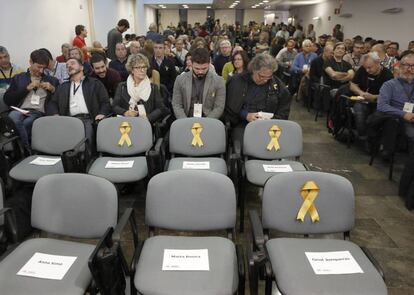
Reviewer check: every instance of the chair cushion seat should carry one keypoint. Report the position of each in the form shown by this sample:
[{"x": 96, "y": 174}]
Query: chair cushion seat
[
  {"x": 216, "y": 164},
  {"x": 222, "y": 278},
  {"x": 120, "y": 175},
  {"x": 75, "y": 281},
  {"x": 255, "y": 172},
  {"x": 294, "y": 274},
  {"x": 26, "y": 172}
]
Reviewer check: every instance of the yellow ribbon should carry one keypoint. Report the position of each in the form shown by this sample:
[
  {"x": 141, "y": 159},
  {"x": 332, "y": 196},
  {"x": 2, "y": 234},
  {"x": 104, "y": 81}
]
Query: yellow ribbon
[
  {"x": 274, "y": 133},
  {"x": 309, "y": 192},
  {"x": 124, "y": 128},
  {"x": 196, "y": 131}
]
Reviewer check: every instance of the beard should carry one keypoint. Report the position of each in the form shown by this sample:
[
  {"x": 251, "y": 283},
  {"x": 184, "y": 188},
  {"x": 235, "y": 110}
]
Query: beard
[{"x": 74, "y": 72}]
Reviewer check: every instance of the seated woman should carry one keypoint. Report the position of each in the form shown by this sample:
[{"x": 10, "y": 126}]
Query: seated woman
[
  {"x": 237, "y": 65},
  {"x": 137, "y": 96}
]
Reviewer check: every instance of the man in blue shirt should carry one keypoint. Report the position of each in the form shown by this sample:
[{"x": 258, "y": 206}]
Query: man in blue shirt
[{"x": 301, "y": 65}]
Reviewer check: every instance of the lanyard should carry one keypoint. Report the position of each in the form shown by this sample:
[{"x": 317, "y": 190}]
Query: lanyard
[
  {"x": 76, "y": 88},
  {"x": 409, "y": 94},
  {"x": 10, "y": 73}
]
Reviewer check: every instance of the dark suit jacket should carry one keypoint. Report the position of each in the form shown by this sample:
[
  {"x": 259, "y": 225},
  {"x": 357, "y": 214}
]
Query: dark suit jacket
[
  {"x": 17, "y": 91},
  {"x": 167, "y": 72},
  {"x": 94, "y": 92},
  {"x": 154, "y": 106}
]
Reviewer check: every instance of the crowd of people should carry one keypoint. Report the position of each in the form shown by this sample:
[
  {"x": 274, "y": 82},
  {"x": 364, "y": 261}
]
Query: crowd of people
[{"x": 230, "y": 72}]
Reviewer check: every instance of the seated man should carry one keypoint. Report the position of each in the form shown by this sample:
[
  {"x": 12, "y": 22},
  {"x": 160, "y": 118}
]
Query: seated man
[
  {"x": 255, "y": 92},
  {"x": 119, "y": 63},
  {"x": 65, "y": 53},
  {"x": 164, "y": 65},
  {"x": 109, "y": 77},
  {"x": 367, "y": 84},
  {"x": 316, "y": 71},
  {"x": 386, "y": 61},
  {"x": 199, "y": 92},
  {"x": 396, "y": 98},
  {"x": 30, "y": 91},
  {"x": 285, "y": 56},
  {"x": 354, "y": 57},
  {"x": 7, "y": 70},
  {"x": 82, "y": 97},
  {"x": 301, "y": 64},
  {"x": 337, "y": 71},
  {"x": 56, "y": 69}
]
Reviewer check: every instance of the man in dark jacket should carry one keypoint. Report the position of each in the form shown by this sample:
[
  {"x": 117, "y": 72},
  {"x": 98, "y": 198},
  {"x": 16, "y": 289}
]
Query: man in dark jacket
[
  {"x": 82, "y": 97},
  {"x": 31, "y": 92},
  {"x": 164, "y": 66}
]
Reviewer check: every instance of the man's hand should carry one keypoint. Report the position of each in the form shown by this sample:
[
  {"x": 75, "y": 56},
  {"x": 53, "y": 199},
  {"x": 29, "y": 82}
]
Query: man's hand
[
  {"x": 369, "y": 96},
  {"x": 131, "y": 114},
  {"x": 47, "y": 86},
  {"x": 33, "y": 84},
  {"x": 409, "y": 117},
  {"x": 99, "y": 117},
  {"x": 252, "y": 117}
]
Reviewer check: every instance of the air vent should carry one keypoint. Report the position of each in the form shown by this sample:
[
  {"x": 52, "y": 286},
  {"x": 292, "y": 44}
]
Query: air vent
[
  {"x": 392, "y": 10},
  {"x": 346, "y": 15}
]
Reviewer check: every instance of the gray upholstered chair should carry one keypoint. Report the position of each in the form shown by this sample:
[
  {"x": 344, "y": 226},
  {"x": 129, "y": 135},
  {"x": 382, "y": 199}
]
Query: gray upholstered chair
[
  {"x": 76, "y": 205},
  {"x": 111, "y": 148},
  {"x": 284, "y": 258},
  {"x": 199, "y": 201},
  {"x": 8, "y": 233},
  {"x": 256, "y": 141},
  {"x": 52, "y": 136},
  {"x": 213, "y": 149}
]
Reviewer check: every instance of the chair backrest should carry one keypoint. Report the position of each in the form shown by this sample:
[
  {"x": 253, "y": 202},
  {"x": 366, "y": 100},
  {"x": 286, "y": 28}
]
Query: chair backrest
[
  {"x": 213, "y": 136},
  {"x": 77, "y": 205},
  {"x": 3, "y": 106},
  {"x": 54, "y": 135},
  {"x": 191, "y": 201},
  {"x": 256, "y": 139},
  {"x": 109, "y": 136},
  {"x": 2, "y": 196},
  {"x": 282, "y": 200}
]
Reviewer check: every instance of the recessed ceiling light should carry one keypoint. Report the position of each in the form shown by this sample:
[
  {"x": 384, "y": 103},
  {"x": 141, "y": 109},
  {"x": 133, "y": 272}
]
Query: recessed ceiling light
[
  {"x": 261, "y": 3},
  {"x": 208, "y": 7},
  {"x": 265, "y": 1}
]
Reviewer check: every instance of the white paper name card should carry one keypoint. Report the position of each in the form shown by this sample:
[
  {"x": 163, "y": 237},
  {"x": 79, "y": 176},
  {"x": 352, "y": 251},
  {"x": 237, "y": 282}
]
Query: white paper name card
[
  {"x": 46, "y": 266},
  {"x": 331, "y": 263},
  {"x": 277, "y": 168},
  {"x": 408, "y": 107},
  {"x": 196, "y": 165},
  {"x": 119, "y": 164},
  {"x": 181, "y": 260},
  {"x": 42, "y": 161},
  {"x": 265, "y": 116}
]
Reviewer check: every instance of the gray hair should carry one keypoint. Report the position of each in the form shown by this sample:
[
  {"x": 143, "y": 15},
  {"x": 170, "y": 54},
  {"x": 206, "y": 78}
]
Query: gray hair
[
  {"x": 372, "y": 56},
  {"x": 262, "y": 60},
  {"x": 306, "y": 42},
  {"x": 153, "y": 27},
  {"x": 3, "y": 50},
  {"x": 134, "y": 60}
]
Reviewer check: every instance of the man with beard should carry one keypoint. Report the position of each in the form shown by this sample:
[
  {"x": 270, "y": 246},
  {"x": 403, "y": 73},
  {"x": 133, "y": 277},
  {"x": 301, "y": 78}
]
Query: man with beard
[
  {"x": 199, "y": 92},
  {"x": 109, "y": 77},
  {"x": 83, "y": 97}
]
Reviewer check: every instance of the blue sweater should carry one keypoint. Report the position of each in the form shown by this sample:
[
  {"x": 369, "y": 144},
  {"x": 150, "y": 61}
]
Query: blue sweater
[
  {"x": 300, "y": 60},
  {"x": 393, "y": 95}
]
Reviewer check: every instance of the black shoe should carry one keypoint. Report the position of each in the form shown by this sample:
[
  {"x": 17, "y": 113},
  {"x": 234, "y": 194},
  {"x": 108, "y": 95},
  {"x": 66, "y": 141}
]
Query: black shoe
[{"x": 409, "y": 203}]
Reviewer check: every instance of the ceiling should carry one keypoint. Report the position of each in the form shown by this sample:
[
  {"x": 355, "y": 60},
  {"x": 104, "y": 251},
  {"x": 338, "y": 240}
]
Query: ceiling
[{"x": 243, "y": 4}]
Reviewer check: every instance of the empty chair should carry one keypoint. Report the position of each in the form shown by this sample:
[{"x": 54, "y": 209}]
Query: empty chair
[
  {"x": 52, "y": 136},
  {"x": 198, "y": 143},
  {"x": 306, "y": 203},
  {"x": 75, "y": 205},
  {"x": 122, "y": 144},
  {"x": 184, "y": 200},
  {"x": 267, "y": 144}
]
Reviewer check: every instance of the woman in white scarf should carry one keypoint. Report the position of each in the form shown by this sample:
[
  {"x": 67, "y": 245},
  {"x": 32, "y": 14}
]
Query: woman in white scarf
[{"x": 138, "y": 96}]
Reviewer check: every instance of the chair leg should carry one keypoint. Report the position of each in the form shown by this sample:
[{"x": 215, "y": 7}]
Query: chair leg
[
  {"x": 391, "y": 166},
  {"x": 241, "y": 207},
  {"x": 268, "y": 286},
  {"x": 253, "y": 277}
]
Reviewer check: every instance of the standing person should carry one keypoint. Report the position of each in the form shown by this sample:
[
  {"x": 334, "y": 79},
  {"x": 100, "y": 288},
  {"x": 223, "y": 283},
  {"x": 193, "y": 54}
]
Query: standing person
[
  {"x": 30, "y": 91},
  {"x": 283, "y": 32},
  {"x": 79, "y": 40},
  {"x": 7, "y": 70},
  {"x": 337, "y": 33},
  {"x": 115, "y": 37},
  {"x": 152, "y": 33},
  {"x": 310, "y": 33}
]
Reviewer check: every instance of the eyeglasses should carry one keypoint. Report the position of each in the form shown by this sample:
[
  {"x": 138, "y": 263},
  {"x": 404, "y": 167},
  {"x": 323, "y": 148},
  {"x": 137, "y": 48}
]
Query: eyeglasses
[
  {"x": 407, "y": 66},
  {"x": 142, "y": 68}
]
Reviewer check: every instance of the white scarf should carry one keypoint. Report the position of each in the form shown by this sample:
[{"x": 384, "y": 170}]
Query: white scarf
[{"x": 137, "y": 93}]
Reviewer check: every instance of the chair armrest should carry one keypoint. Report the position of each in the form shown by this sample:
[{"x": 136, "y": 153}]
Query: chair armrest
[
  {"x": 257, "y": 230},
  {"x": 241, "y": 268},
  {"x": 10, "y": 223},
  {"x": 128, "y": 216},
  {"x": 156, "y": 158},
  {"x": 373, "y": 261}
]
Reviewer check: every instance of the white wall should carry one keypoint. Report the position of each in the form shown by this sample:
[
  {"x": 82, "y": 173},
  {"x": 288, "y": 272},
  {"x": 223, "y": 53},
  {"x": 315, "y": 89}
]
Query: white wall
[
  {"x": 107, "y": 13},
  {"x": 150, "y": 17},
  {"x": 28, "y": 25},
  {"x": 168, "y": 17},
  {"x": 196, "y": 16},
  {"x": 226, "y": 16},
  {"x": 256, "y": 15},
  {"x": 367, "y": 19},
  {"x": 276, "y": 16}
]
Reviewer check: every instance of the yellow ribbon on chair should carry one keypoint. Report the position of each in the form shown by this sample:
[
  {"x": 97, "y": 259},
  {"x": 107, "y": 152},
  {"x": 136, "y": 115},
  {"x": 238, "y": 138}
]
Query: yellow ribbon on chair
[
  {"x": 196, "y": 131},
  {"x": 309, "y": 193},
  {"x": 125, "y": 128},
  {"x": 274, "y": 133}
]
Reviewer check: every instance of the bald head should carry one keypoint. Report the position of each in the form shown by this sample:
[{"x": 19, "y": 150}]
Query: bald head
[{"x": 328, "y": 51}]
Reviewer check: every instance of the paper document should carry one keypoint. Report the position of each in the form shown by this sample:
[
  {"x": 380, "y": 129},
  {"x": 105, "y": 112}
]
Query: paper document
[
  {"x": 46, "y": 266},
  {"x": 24, "y": 112},
  {"x": 119, "y": 164},
  {"x": 265, "y": 116},
  {"x": 277, "y": 168},
  {"x": 175, "y": 259},
  {"x": 196, "y": 165},
  {"x": 331, "y": 263},
  {"x": 42, "y": 161}
]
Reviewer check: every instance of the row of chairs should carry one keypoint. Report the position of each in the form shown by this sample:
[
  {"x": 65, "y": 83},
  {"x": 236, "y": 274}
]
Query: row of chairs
[{"x": 86, "y": 206}]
